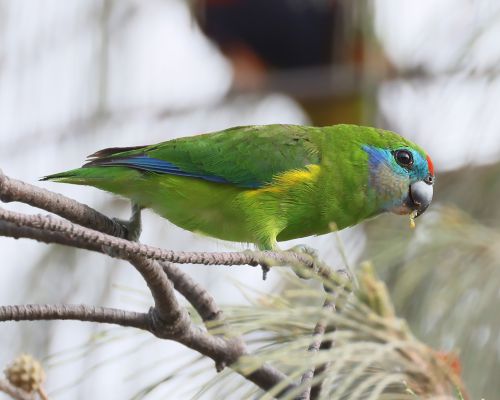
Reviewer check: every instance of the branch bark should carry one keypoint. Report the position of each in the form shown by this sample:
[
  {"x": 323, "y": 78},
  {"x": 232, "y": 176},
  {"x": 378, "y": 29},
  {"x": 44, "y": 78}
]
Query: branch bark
[
  {"x": 80, "y": 312},
  {"x": 15, "y": 190},
  {"x": 82, "y": 237},
  {"x": 225, "y": 352},
  {"x": 198, "y": 296},
  {"x": 314, "y": 347}
]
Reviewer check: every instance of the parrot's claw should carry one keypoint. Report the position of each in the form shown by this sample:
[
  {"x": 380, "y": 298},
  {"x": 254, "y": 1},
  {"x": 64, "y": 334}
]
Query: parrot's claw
[{"x": 304, "y": 249}]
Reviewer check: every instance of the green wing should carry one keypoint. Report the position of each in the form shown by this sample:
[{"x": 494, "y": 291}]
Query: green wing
[{"x": 248, "y": 156}]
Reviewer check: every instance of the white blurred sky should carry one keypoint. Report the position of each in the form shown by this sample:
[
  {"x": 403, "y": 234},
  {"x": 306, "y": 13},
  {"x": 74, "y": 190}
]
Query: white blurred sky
[
  {"x": 65, "y": 92},
  {"x": 452, "y": 112}
]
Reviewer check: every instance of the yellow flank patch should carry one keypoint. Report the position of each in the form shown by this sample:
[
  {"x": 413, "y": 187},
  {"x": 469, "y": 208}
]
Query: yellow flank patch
[{"x": 286, "y": 180}]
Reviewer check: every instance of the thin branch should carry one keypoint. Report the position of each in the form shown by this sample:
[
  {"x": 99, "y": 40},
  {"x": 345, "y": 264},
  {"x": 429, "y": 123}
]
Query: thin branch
[
  {"x": 319, "y": 331},
  {"x": 10, "y": 229},
  {"x": 15, "y": 190},
  {"x": 167, "y": 318},
  {"x": 198, "y": 296},
  {"x": 80, "y": 312},
  {"x": 82, "y": 237},
  {"x": 13, "y": 391},
  {"x": 224, "y": 352},
  {"x": 312, "y": 391}
]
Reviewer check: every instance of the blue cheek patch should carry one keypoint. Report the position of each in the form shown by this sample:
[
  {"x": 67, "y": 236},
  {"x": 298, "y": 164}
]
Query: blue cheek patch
[
  {"x": 378, "y": 156},
  {"x": 419, "y": 171},
  {"x": 387, "y": 178}
]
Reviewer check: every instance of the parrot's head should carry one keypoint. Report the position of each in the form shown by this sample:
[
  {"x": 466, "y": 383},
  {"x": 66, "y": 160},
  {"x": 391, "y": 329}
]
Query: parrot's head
[{"x": 401, "y": 175}]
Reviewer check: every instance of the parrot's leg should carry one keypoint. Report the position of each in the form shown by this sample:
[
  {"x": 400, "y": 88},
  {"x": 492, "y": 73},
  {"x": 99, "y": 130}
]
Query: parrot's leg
[
  {"x": 269, "y": 244},
  {"x": 263, "y": 265},
  {"x": 133, "y": 226}
]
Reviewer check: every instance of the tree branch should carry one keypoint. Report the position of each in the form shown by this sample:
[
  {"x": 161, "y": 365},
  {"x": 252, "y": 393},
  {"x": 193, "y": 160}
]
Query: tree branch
[
  {"x": 319, "y": 331},
  {"x": 166, "y": 307},
  {"x": 80, "y": 312},
  {"x": 223, "y": 352},
  {"x": 81, "y": 237},
  {"x": 198, "y": 296},
  {"x": 15, "y": 190},
  {"x": 167, "y": 319}
]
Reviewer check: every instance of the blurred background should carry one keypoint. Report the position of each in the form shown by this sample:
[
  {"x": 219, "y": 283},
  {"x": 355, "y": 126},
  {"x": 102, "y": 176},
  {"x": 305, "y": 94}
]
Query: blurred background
[{"x": 80, "y": 75}]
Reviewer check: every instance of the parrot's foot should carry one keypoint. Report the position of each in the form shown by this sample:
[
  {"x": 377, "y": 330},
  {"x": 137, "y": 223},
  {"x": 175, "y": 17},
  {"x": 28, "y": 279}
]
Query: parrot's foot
[
  {"x": 133, "y": 226},
  {"x": 304, "y": 249},
  {"x": 302, "y": 272}
]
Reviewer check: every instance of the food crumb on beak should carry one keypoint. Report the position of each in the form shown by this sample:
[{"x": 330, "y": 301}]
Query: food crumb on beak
[{"x": 413, "y": 215}]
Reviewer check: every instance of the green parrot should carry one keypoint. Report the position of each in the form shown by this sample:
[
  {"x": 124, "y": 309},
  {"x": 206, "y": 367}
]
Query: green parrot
[{"x": 263, "y": 184}]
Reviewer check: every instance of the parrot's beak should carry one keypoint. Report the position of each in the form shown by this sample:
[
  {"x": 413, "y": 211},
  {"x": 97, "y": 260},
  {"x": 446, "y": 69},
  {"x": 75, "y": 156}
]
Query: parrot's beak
[{"x": 420, "y": 195}]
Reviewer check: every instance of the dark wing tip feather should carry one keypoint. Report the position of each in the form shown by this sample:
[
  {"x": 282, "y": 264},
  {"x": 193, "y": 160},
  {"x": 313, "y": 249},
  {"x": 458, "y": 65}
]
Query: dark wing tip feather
[{"x": 111, "y": 151}]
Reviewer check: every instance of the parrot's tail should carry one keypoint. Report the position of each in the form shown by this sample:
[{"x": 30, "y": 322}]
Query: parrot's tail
[
  {"x": 75, "y": 176},
  {"x": 91, "y": 173},
  {"x": 93, "y": 176}
]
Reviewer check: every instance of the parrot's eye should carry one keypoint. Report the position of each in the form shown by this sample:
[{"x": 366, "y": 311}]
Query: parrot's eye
[{"x": 404, "y": 158}]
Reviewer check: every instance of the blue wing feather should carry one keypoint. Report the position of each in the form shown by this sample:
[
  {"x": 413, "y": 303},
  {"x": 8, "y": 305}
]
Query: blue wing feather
[{"x": 145, "y": 163}]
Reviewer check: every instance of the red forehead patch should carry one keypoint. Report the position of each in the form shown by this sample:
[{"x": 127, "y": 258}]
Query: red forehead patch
[{"x": 430, "y": 165}]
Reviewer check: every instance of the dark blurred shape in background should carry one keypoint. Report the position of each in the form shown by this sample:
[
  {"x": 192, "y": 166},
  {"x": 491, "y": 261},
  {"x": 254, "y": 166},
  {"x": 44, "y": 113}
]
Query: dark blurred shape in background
[
  {"x": 309, "y": 49},
  {"x": 267, "y": 28}
]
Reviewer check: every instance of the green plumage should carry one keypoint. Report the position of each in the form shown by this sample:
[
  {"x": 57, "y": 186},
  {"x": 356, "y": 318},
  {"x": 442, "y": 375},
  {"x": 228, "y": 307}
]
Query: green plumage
[{"x": 253, "y": 184}]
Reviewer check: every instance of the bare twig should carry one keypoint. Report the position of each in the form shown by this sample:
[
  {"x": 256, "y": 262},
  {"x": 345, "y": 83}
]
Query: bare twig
[
  {"x": 224, "y": 352},
  {"x": 80, "y": 312},
  {"x": 81, "y": 237},
  {"x": 319, "y": 371},
  {"x": 10, "y": 229},
  {"x": 165, "y": 304},
  {"x": 319, "y": 331},
  {"x": 312, "y": 390},
  {"x": 15, "y": 190},
  {"x": 198, "y": 296},
  {"x": 14, "y": 392}
]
